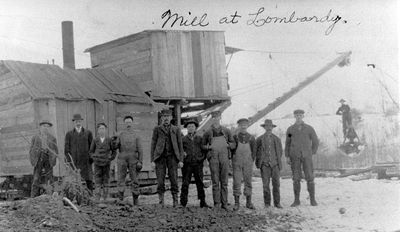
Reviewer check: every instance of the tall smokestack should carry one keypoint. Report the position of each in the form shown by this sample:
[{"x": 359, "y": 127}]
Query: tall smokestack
[{"x": 68, "y": 44}]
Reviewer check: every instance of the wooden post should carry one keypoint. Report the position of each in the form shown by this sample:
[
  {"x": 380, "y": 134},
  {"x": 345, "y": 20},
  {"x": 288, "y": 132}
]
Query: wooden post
[{"x": 177, "y": 113}]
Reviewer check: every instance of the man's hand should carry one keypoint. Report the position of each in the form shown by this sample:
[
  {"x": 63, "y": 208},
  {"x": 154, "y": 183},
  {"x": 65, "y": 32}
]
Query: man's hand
[
  {"x": 180, "y": 164},
  {"x": 139, "y": 166},
  {"x": 288, "y": 161},
  {"x": 153, "y": 165}
]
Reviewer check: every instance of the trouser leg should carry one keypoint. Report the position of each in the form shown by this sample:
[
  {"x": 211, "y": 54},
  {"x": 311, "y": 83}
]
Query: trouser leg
[
  {"x": 266, "y": 175},
  {"x": 247, "y": 177},
  {"x": 186, "y": 176},
  {"x": 161, "y": 170},
  {"x": 122, "y": 170},
  {"x": 215, "y": 178},
  {"x": 296, "y": 172},
  {"x": 133, "y": 175},
  {"x": 197, "y": 172},
  {"x": 237, "y": 177},
  {"x": 309, "y": 176},
  {"x": 276, "y": 185},
  {"x": 224, "y": 171},
  {"x": 35, "y": 189},
  {"x": 172, "y": 165}
]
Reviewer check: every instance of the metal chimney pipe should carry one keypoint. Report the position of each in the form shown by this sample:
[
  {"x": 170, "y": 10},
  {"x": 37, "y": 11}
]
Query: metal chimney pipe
[{"x": 68, "y": 44}]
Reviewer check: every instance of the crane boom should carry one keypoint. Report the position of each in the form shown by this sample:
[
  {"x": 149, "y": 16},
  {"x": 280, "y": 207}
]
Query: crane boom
[{"x": 341, "y": 60}]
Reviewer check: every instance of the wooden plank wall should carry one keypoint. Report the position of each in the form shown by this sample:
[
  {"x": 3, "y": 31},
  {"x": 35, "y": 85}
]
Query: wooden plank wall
[
  {"x": 133, "y": 58},
  {"x": 144, "y": 123},
  {"x": 17, "y": 125}
]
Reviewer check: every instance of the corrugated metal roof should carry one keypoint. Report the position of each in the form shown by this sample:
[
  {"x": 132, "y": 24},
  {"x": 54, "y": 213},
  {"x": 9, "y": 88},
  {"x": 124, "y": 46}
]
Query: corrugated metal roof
[{"x": 51, "y": 81}]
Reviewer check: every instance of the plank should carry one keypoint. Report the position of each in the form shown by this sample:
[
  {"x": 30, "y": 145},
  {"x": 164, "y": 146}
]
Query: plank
[
  {"x": 17, "y": 128},
  {"x": 129, "y": 59},
  {"x": 8, "y": 80},
  {"x": 197, "y": 64},
  {"x": 21, "y": 170},
  {"x": 111, "y": 118},
  {"x": 187, "y": 64}
]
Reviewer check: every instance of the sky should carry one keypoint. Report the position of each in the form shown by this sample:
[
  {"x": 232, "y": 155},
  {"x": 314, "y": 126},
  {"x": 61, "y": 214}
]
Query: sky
[{"x": 276, "y": 56}]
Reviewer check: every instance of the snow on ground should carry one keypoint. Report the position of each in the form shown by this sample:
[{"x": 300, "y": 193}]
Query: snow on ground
[{"x": 370, "y": 205}]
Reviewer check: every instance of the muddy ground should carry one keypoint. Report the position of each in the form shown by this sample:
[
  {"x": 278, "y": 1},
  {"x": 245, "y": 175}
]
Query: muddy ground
[{"x": 344, "y": 205}]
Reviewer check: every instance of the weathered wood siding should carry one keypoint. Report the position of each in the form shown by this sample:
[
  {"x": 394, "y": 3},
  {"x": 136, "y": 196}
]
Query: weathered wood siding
[{"x": 170, "y": 63}]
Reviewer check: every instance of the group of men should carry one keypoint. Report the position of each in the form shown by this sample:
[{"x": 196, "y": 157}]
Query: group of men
[{"x": 171, "y": 150}]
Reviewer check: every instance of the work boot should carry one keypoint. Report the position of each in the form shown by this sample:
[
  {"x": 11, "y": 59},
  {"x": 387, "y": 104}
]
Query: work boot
[
  {"x": 135, "y": 199},
  {"x": 203, "y": 204},
  {"x": 296, "y": 190},
  {"x": 161, "y": 198},
  {"x": 311, "y": 191},
  {"x": 249, "y": 204},
  {"x": 278, "y": 205},
  {"x": 225, "y": 207},
  {"x": 237, "y": 203},
  {"x": 121, "y": 195},
  {"x": 174, "y": 200}
]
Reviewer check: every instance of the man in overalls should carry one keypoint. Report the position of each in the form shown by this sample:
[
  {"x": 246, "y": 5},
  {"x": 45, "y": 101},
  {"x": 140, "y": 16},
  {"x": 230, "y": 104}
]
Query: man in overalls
[
  {"x": 242, "y": 162},
  {"x": 218, "y": 141},
  {"x": 130, "y": 158}
]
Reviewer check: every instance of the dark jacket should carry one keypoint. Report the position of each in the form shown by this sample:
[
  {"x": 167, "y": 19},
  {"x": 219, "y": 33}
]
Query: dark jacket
[
  {"x": 194, "y": 152},
  {"x": 37, "y": 152},
  {"x": 344, "y": 110},
  {"x": 261, "y": 148},
  {"x": 78, "y": 145},
  {"x": 101, "y": 152},
  {"x": 245, "y": 138},
  {"x": 160, "y": 137},
  {"x": 301, "y": 142}
]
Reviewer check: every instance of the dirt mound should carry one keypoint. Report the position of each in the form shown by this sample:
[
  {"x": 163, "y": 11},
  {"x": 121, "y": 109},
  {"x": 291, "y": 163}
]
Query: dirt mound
[
  {"x": 156, "y": 218},
  {"x": 46, "y": 213}
]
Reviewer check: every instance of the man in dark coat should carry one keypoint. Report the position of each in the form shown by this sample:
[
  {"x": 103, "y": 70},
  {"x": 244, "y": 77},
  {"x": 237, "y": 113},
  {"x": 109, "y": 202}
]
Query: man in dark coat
[
  {"x": 268, "y": 160},
  {"x": 301, "y": 144},
  {"x": 102, "y": 152},
  {"x": 167, "y": 153},
  {"x": 344, "y": 110},
  {"x": 242, "y": 162},
  {"x": 218, "y": 141},
  {"x": 193, "y": 163},
  {"x": 42, "y": 154},
  {"x": 77, "y": 145}
]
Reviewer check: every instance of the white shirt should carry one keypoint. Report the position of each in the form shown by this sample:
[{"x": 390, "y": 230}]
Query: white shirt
[
  {"x": 102, "y": 139},
  {"x": 78, "y": 129}
]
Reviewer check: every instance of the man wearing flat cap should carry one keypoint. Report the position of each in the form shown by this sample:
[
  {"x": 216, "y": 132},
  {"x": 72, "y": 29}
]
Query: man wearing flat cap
[
  {"x": 167, "y": 153},
  {"x": 130, "y": 158},
  {"x": 42, "y": 154},
  {"x": 268, "y": 160},
  {"x": 218, "y": 140},
  {"x": 193, "y": 163},
  {"x": 77, "y": 146},
  {"x": 301, "y": 144},
  {"x": 345, "y": 111},
  {"x": 242, "y": 162}
]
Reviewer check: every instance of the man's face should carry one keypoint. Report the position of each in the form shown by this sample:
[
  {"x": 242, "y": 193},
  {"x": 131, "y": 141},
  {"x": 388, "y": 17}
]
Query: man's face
[
  {"x": 166, "y": 119},
  {"x": 216, "y": 121},
  {"x": 191, "y": 128},
  {"x": 128, "y": 122},
  {"x": 101, "y": 131},
  {"x": 268, "y": 129},
  {"x": 44, "y": 128},
  {"x": 78, "y": 123},
  {"x": 243, "y": 126},
  {"x": 299, "y": 117}
]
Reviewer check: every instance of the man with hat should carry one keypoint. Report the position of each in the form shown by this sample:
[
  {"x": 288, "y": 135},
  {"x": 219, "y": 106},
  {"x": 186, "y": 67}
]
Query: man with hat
[
  {"x": 301, "y": 144},
  {"x": 42, "y": 154},
  {"x": 192, "y": 163},
  {"x": 268, "y": 160},
  {"x": 345, "y": 111},
  {"x": 102, "y": 152},
  {"x": 218, "y": 140},
  {"x": 242, "y": 162},
  {"x": 130, "y": 159},
  {"x": 77, "y": 146},
  {"x": 167, "y": 153}
]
